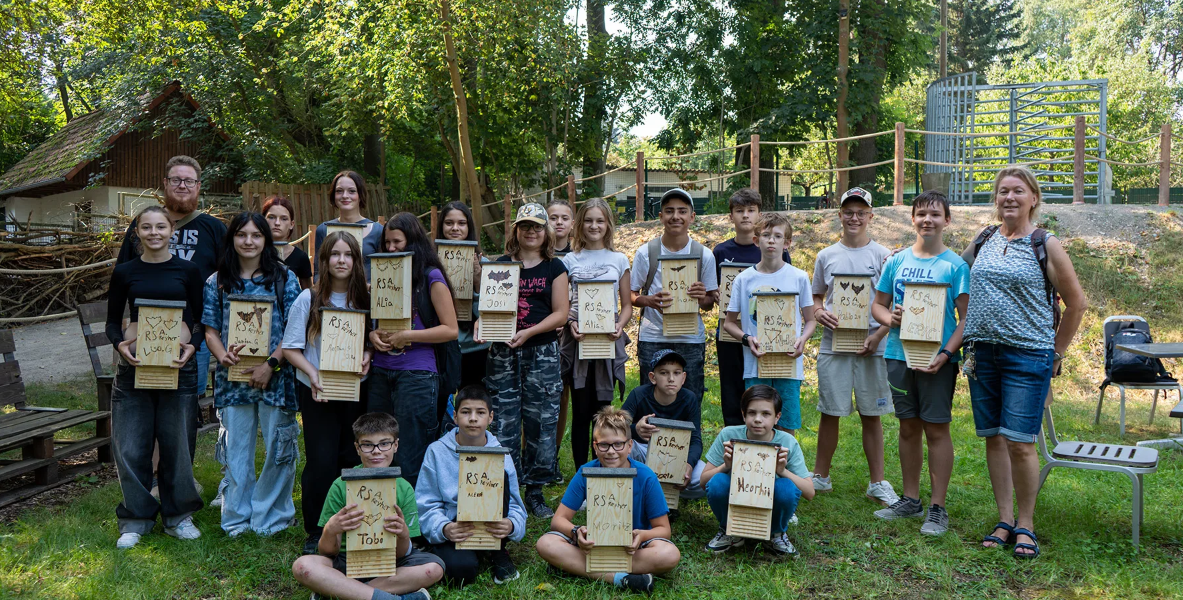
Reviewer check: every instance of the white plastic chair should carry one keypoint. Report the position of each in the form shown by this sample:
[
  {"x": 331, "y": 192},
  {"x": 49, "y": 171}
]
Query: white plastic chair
[
  {"x": 1132, "y": 461},
  {"x": 1122, "y": 387}
]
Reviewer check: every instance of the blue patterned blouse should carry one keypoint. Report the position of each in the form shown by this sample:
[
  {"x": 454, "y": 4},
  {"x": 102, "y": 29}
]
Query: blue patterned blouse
[{"x": 1007, "y": 298}]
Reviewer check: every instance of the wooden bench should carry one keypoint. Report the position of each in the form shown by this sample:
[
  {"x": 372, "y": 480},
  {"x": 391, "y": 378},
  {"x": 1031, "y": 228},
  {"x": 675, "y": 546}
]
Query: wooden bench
[
  {"x": 34, "y": 430},
  {"x": 95, "y": 313}
]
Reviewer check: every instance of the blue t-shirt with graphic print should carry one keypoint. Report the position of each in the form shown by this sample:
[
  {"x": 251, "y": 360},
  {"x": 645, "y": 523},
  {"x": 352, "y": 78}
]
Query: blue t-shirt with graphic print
[{"x": 906, "y": 267}]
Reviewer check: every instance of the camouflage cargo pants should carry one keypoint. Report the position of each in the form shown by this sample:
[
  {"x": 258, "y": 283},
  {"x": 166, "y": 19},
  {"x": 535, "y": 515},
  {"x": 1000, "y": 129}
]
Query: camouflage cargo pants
[{"x": 525, "y": 384}]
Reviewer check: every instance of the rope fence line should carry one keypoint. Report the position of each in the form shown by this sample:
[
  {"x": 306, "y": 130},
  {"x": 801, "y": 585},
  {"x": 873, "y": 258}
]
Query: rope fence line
[
  {"x": 305, "y": 236},
  {"x": 835, "y": 140},
  {"x": 1117, "y": 139},
  {"x": 719, "y": 178},
  {"x": 712, "y": 151},
  {"x": 991, "y": 134},
  {"x": 1123, "y": 164},
  {"x": 583, "y": 179},
  {"x": 105, "y": 263},
  {"x": 1050, "y": 161},
  {"x": 835, "y": 170},
  {"x": 53, "y": 317}
]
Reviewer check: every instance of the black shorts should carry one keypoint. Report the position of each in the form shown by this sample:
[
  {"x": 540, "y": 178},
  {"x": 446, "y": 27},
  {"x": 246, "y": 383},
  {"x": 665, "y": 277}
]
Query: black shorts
[
  {"x": 413, "y": 558},
  {"x": 920, "y": 395}
]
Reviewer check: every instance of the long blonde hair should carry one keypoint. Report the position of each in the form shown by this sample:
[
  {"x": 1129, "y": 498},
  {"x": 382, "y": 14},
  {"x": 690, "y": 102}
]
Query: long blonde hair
[
  {"x": 1023, "y": 173},
  {"x": 577, "y": 232}
]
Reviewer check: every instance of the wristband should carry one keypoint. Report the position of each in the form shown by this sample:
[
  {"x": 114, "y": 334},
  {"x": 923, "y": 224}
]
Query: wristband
[
  {"x": 575, "y": 534},
  {"x": 947, "y": 353},
  {"x": 744, "y": 340},
  {"x": 273, "y": 363}
]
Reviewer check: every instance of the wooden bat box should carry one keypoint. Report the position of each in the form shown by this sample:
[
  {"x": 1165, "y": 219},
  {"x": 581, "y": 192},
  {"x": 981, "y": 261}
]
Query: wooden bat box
[
  {"x": 390, "y": 290},
  {"x": 678, "y": 273},
  {"x": 342, "y": 340},
  {"x": 923, "y": 324},
  {"x": 158, "y": 342},
  {"x": 357, "y": 230},
  {"x": 482, "y": 493},
  {"x": 776, "y": 329},
  {"x": 609, "y": 518},
  {"x": 499, "y": 300},
  {"x": 458, "y": 257},
  {"x": 596, "y": 303},
  {"x": 852, "y": 297},
  {"x": 668, "y": 449},
  {"x": 753, "y": 483},
  {"x": 727, "y": 274},
  {"x": 372, "y": 551},
  {"x": 250, "y": 324}
]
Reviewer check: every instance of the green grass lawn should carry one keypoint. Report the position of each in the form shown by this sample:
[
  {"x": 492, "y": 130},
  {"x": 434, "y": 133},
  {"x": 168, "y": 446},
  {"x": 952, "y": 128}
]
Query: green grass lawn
[{"x": 1083, "y": 519}]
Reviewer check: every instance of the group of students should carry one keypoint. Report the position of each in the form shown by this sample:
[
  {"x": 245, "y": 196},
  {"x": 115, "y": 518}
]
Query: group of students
[{"x": 440, "y": 385}]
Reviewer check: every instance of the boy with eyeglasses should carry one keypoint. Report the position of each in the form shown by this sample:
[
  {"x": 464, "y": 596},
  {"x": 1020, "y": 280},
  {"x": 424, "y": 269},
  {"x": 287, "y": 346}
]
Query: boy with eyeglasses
[
  {"x": 376, "y": 440},
  {"x": 566, "y": 545},
  {"x": 862, "y": 374}
]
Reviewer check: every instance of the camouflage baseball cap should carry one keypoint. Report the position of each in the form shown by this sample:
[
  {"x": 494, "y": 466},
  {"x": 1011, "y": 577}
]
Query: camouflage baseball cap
[{"x": 532, "y": 212}]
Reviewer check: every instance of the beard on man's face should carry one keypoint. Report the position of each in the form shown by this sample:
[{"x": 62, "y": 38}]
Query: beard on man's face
[{"x": 178, "y": 205}]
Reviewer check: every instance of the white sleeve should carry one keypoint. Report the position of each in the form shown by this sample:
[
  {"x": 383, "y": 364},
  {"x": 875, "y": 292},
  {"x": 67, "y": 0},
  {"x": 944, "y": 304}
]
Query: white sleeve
[
  {"x": 709, "y": 277},
  {"x": 640, "y": 268},
  {"x": 294, "y": 336},
  {"x": 806, "y": 294},
  {"x": 737, "y": 291}
]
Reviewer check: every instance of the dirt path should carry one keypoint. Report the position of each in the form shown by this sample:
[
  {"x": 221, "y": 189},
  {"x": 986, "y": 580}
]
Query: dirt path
[{"x": 52, "y": 352}]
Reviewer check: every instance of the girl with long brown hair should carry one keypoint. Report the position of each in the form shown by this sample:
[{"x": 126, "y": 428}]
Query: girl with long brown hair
[{"x": 347, "y": 194}]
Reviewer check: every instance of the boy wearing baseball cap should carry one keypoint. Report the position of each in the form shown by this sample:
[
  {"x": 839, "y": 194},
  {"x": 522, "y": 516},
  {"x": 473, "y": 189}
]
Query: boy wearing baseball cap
[
  {"x": 862, "y": 374},
  {"x": 677, "y": 213}
]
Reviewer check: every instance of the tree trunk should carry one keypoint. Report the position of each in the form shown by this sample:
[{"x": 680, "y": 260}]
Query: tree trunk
[
  {"x": 372, "y": 155},
  {"x": 873, "y": 50},
  {"x": 63, "y": 92},
  {"x": 473, "y": 185},
  {"x": 594, "y": 109}
]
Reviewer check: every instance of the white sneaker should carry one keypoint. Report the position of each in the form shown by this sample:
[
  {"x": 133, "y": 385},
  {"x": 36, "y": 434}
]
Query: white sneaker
[
  {"x": 185, "y": 530},
  {"x": 723, "y": 542},
  {"x": 781, "y": 545},
  {"x": 882, "y": 492},
  {"x": 822, "y": 484},
  {"x": 127, "y": 540},
  {"x": 217, "y": 501},
  {"x": 794, "y": 520}
]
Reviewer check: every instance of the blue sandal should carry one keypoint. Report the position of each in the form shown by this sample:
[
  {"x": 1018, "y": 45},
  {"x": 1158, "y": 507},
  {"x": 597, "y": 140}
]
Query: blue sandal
[
  {"x": 1010, "y": 530},
  {"x": 1034, "y": 546}
]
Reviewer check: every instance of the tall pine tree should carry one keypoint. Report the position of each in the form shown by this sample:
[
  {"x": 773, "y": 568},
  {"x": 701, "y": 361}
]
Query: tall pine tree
[{"x": 982, "y": 32}]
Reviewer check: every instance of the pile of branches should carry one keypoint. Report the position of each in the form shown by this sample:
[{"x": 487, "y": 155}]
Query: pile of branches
[{"x": 34, "y": 294}]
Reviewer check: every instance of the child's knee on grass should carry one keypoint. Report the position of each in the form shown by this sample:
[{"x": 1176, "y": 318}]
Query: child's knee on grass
[
  {"x": 661, "y": 556},
  {"x": 307, "y": 567},
  {"x": 409, "y": 579}
]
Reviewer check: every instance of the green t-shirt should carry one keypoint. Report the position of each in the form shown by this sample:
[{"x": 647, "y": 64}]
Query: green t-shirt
[
  {"x": 796, "y": 462},
  {"x": 335, "y": 501}
]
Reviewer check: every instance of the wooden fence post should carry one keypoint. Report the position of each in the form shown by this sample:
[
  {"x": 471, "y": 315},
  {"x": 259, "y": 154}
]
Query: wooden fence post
[
  {"x": 754, "y": 159},
  {"x": 435, "y": 220},
  {"x": 899, "y": 164},
  {"x": 1078, "y": 162},
  {"x": 507, "y": 207},
  {"x": 571, "y": 196},
  {"x": 312, "y": 246},
  {"x": 1164, "y": 166},
  {"x": 640, "y": 216}
]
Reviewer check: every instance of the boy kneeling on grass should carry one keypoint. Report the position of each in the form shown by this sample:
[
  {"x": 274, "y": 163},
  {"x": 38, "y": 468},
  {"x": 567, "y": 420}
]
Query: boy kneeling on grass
[
  {"x": 566, "y": 545},
  {"x": 376, "y": 440},
  {"x": 438, "y": 489},
  {"x": 761, "y": 406}
]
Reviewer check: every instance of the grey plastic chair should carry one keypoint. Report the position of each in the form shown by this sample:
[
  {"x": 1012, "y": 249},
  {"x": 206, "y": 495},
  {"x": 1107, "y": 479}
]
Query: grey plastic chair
[{"x": 1132, "y": 461}]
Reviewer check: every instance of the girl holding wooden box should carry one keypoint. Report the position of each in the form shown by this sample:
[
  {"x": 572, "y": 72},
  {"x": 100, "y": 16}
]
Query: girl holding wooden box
[
  {"x": 594, "y": 342},
  {"x": 246, "y": 306},
  {"x": 405, "y": 380},
  {"x": 455, "y": 225},
  {"x": 328, "y": 433},
  {"x": 523, "y": 373},
  {"x": 165, "y": 412}
]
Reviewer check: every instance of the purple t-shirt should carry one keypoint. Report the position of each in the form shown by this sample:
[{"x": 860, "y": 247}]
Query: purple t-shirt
[{"x": 417, "y": 356}]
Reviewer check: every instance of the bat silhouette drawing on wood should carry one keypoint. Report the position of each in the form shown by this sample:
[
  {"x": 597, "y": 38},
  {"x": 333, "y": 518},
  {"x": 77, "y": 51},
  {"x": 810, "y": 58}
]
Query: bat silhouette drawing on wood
[
  {"x": 676, "y": 269},
  {"x": 499, "y": 275},
  {"x": 858, "y": 289},
  {"x": 256, "y": 314}
]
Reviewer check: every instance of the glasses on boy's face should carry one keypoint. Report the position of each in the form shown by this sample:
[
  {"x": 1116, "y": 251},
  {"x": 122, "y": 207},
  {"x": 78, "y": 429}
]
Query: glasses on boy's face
[
  {"x": 368, "y": 447},
  {"x": 605, "y": 446},
  {"x": 853, "y": 214},
  {"x": 532, "y": 227}
]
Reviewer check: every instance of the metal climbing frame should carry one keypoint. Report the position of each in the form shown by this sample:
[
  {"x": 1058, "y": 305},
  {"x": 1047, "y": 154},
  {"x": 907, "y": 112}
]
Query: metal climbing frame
[{"x": 1042, "y": 115}]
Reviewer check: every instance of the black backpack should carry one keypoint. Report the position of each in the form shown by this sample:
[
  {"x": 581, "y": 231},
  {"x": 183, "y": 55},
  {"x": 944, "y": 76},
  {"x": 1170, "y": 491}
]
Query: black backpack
[{"x": 1127, "y": 367}]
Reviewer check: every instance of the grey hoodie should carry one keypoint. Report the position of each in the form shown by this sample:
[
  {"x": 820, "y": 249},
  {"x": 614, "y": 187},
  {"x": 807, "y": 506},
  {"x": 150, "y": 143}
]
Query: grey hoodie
[{"x": 439, "y": 485}]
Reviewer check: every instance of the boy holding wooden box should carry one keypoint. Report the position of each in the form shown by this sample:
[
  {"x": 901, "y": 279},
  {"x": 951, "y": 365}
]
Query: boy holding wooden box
[
  {"x": 761, "y": 406},
  {"x": 917, "y": 294},
  {"x": 441, "y": 483},
  {"x": 568, "y": 546},
  {"x": 376, "y": 440},
  {"x": 850, "y": 359},
  {"x": 787, "y": 322}
]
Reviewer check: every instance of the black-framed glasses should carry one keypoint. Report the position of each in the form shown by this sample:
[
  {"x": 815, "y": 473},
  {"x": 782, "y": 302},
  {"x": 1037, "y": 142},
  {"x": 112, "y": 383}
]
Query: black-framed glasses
[
  {"x": 179, "y": 181},
  {"x": 534, "y": 227},
  {"x": 605, "y": 446},
  {"x": 368, "y": 447}
]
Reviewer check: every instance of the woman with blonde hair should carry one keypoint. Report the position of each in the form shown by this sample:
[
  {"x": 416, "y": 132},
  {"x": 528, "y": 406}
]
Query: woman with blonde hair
[{"x": 1015, "y": 339}]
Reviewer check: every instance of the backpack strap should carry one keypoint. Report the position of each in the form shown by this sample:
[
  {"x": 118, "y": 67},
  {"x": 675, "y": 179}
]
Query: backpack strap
[
  {"x": 982, "y": 236},
  {"x": 653, "y": 250}
]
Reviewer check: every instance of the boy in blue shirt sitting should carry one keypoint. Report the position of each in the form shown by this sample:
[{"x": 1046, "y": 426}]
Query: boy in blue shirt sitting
[{"x": 566, "y": 545}]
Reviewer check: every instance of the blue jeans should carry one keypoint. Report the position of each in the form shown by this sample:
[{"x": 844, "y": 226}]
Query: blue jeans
[
  {"x": 1008, "y": 389},
  {"x": 785, "y": 497},
  {"x": 695, "y": 355},
  {"x": 410, "y": 396},
  {"x": 263, "y": 505},
  {"x": 140, "y": 419},
  {"x": 790, "y": 399},
  {"x": 201, "y": 358}
]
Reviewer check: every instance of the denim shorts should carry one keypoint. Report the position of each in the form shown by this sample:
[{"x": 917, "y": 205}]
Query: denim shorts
[
  {"x": 790, "y": 399},
  {"x": 1008, "y": 389}
]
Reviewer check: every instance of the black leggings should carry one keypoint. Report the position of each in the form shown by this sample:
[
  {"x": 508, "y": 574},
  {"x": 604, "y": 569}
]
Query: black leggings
[
  {"x": 328, "y": 448},
  {"x": 461, "y": 567},
  {"x": 584, "y": 406}
]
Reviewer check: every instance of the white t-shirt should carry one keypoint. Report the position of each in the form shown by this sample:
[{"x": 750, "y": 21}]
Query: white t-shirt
[
  {"x": 296, "y": 334},
  {"x": 787, "y": 279},
  {"x": 590, "y": 265},
  {"x": 842, "y": 259},
  {"x": 651, "y": 319}
]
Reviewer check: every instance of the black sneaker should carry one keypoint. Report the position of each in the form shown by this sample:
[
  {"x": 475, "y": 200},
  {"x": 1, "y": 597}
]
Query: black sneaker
[
  {"x": 639, "y": 583},
  {"x": 674, "y": 514},
  {"x": 504, "y": 570},
  {"x": 537, "y": 507},
  {"x": 312, "y": 544}
]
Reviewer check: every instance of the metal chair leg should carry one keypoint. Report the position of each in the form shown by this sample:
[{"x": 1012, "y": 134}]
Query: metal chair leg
[
  {"x": 1043, "y": 473},
  {"x": 1153, "y": 405},
  {"x": 1100, "y": 400},
  {"x": 1136, "y": 481},
  {"x": 1121, "y": 411}
]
